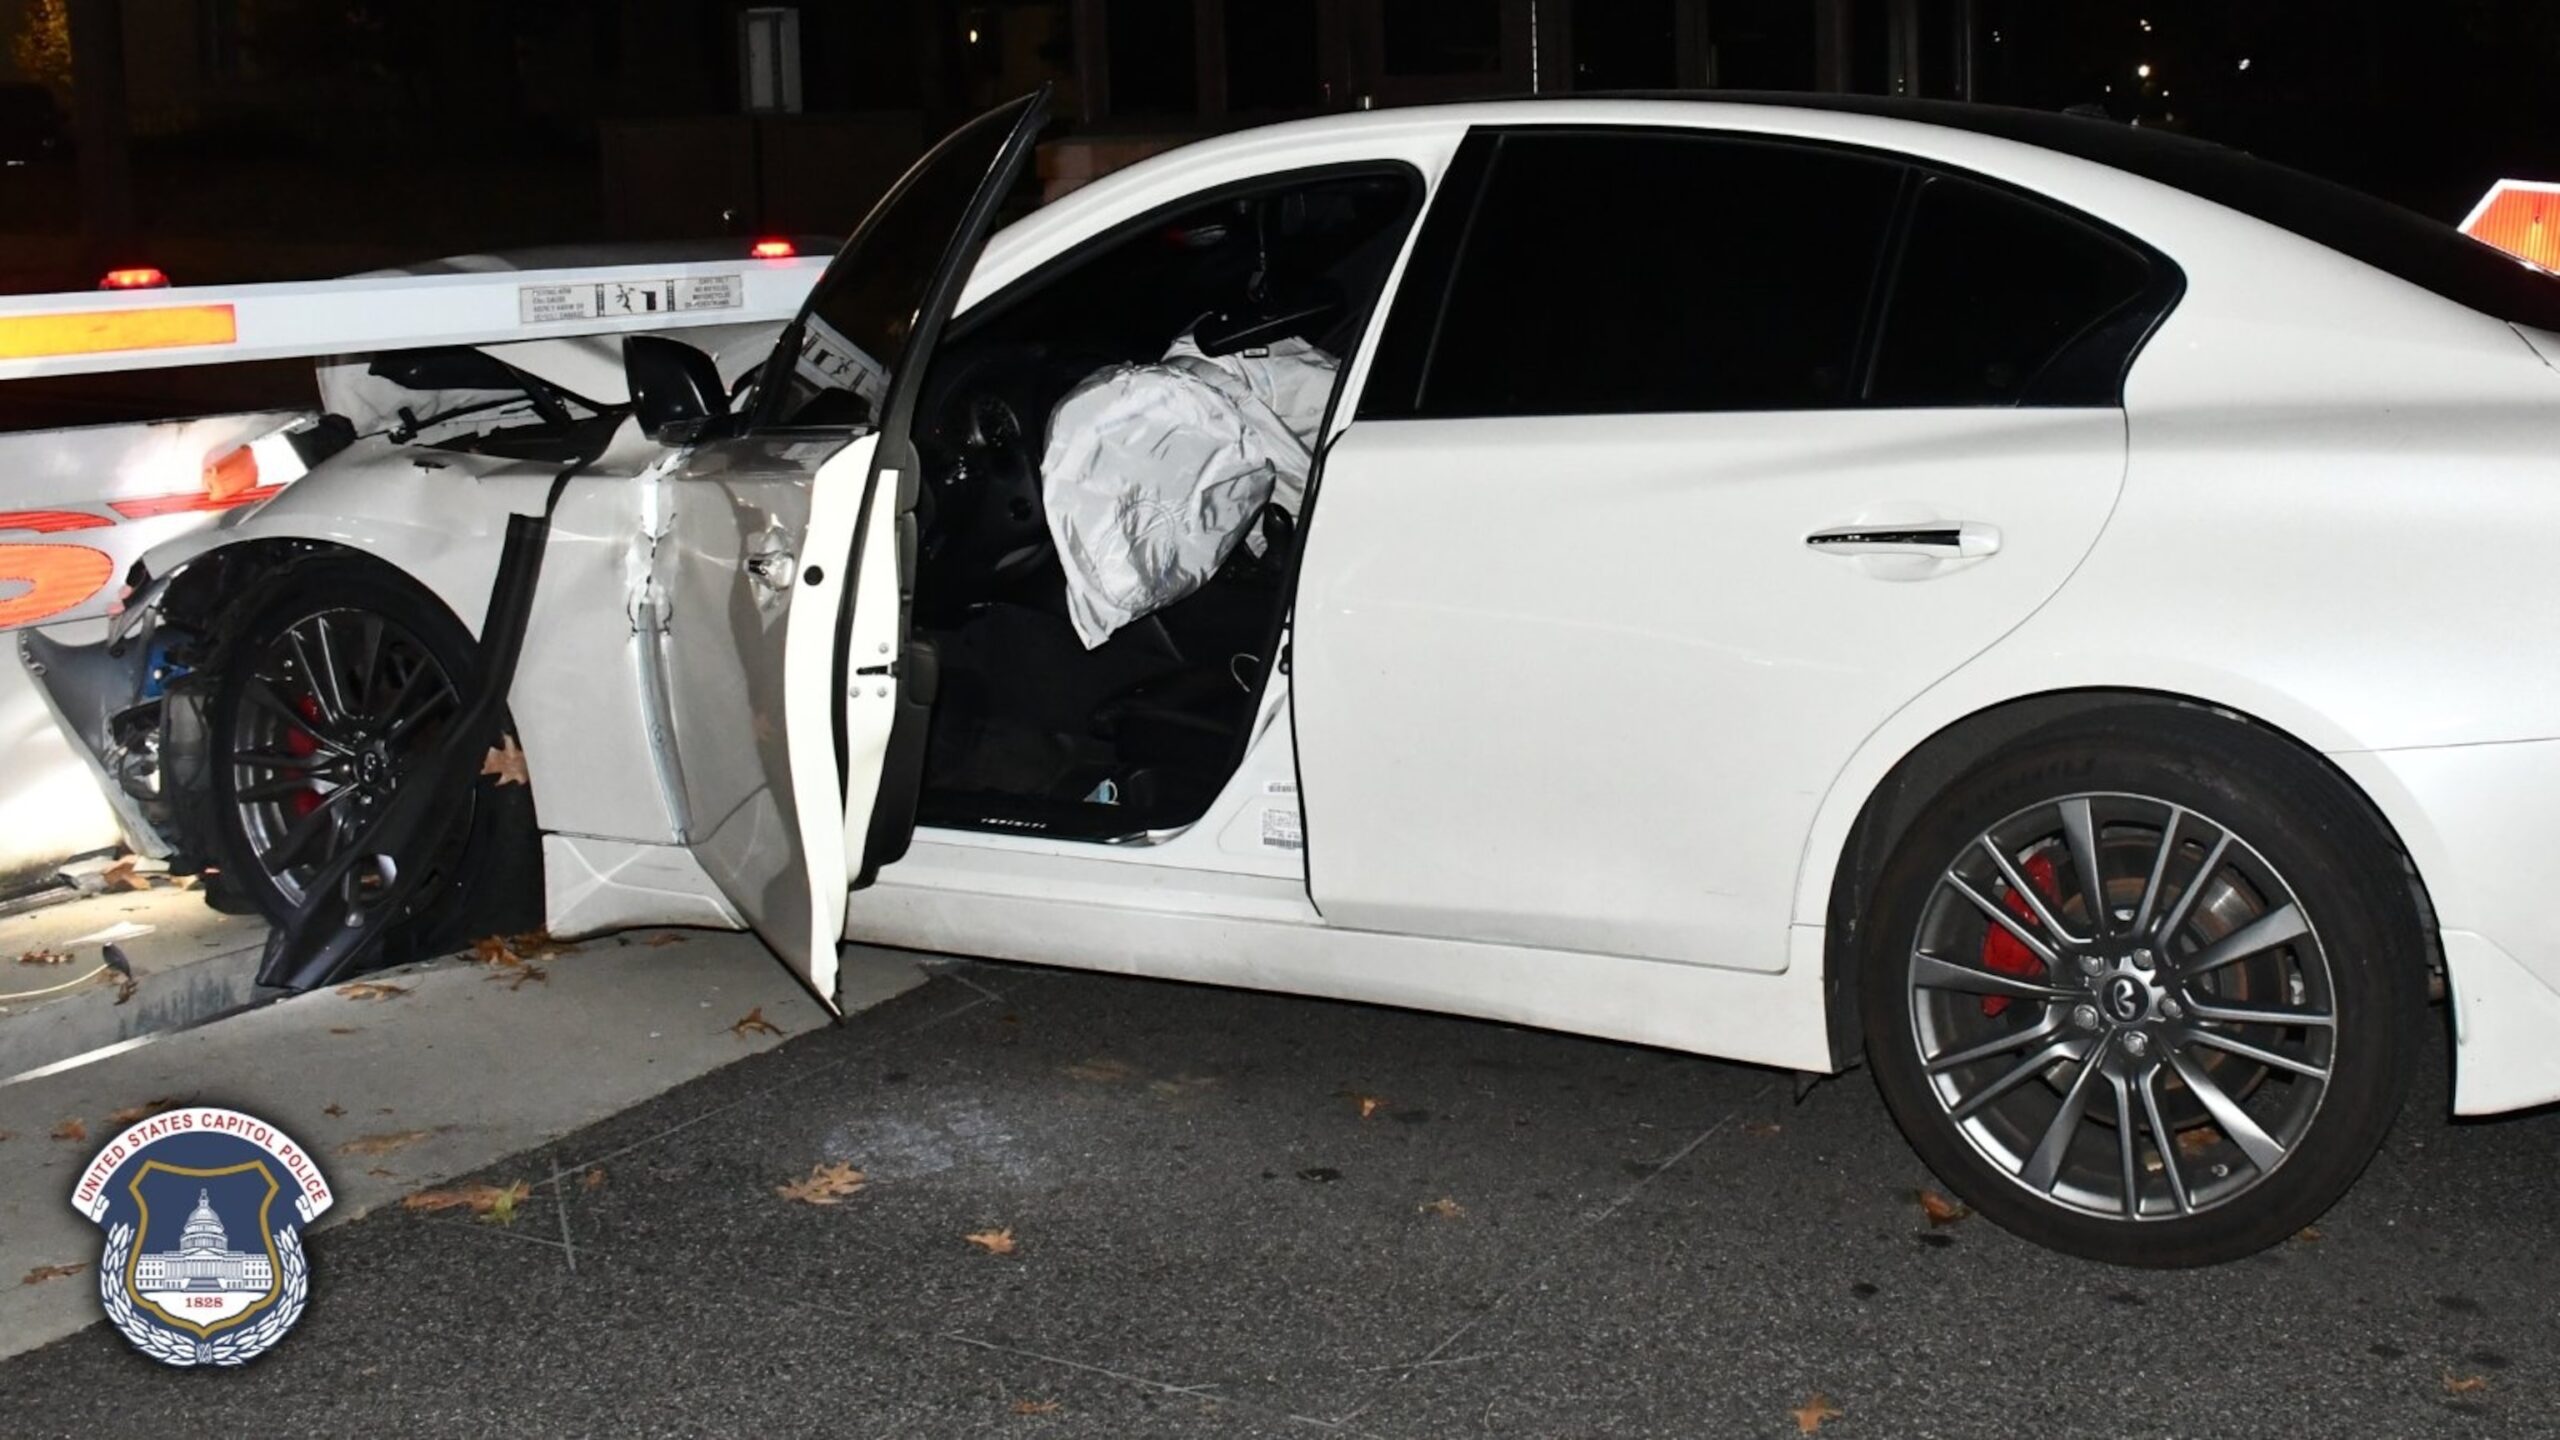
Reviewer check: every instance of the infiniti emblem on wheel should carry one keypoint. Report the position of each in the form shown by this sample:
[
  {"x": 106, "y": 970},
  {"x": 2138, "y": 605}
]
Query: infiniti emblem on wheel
[{"x": 2125, "y": 998}]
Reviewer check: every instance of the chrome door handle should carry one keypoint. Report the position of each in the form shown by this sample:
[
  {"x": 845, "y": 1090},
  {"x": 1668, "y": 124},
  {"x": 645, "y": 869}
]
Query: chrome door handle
[
  {"x": 774, "y": 569},
  {"x": 1948, "y": 540}
]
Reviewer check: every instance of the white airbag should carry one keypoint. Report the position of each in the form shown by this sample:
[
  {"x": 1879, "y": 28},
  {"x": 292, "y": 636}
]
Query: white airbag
[{"x": 1153, "y": 472}]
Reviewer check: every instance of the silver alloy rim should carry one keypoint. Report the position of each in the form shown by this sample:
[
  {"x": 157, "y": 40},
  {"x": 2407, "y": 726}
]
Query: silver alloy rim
[
  {"x": 2122, "y": 1006},
  {"x": 334, "y": 712}
]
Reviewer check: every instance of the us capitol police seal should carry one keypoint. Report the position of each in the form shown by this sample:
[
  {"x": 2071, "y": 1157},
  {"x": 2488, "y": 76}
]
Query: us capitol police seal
[{"x": 203, "y": 1210}]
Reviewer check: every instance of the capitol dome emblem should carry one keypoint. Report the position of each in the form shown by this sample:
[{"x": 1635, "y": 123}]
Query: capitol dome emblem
[{"x": 203, "y": 1210}]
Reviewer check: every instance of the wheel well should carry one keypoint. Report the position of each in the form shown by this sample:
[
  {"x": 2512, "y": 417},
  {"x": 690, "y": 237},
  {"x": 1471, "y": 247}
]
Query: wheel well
[
  {"x": 212, "y": 583},
  {"x": 1937, "y": 762}
]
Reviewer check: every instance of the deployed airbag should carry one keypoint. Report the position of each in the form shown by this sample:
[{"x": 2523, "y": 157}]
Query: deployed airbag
[{"x": 1153, "y": 472}]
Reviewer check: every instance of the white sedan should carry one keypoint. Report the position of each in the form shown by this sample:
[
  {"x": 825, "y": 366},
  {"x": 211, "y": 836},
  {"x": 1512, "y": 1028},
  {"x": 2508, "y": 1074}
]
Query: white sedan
[{"x": 2055, "y": 612}]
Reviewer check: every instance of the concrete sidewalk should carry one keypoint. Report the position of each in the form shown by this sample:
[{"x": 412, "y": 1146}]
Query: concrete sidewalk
[
  {"x": 427, "y": 1072},
  {"x": 1235, "y": 1214}
]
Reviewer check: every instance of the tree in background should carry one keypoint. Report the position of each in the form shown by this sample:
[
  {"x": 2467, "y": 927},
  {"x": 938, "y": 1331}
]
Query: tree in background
[{"x": 41, "y": 48}]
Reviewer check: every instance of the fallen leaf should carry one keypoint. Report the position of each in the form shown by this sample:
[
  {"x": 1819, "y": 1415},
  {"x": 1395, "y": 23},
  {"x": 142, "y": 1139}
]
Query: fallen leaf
[
  {"x": 663, "y": 937},
  {"x": 378, "y": 1170},
  {"x": 73, "y": 1129},
  {"x": 44, "y": 957},
  {"x": 494, "y": 950},
  {"x": 1035, "y": 1407},
  {"x": 828, "y": 1183},
  {"x": 1762, "y": 1128},
  {"x": 478, "y": 1199},
  {"x": 42, "y": 1273},
  {"x": 2192, "y": 1143},
  {"x": 1102, "y": 1071},
  {"x": 754, "y": 1023},
  {"x": 125, "y": 986},
  {"x": 1816, "y": 1408},
  {"x": 1444, "y": 1207},
  {"x": 373, "y": 990},
  {"x": 1940, "y": 1209},
  {"x": 8, "y": 1134},
  {"x": 186, "y": 882},
  {"x": 333, "y": 1109},
  {"x": 2464, "y": 1384},
  {"x": 121, "y": 873},
  {"x": 143, "y": 1111},
  {"x": 521, "y": 976},
  {"x": 383, "y": 1143},
  {"x": 1370, "y": 1105},
  {"x": 506, "y": 761},
  {"x": 593, "y": 1179},
  {"x": 2308, "y": 1235},
  {"x": 994, "y": 1242},
  {"x": 502, "y": 1206}
]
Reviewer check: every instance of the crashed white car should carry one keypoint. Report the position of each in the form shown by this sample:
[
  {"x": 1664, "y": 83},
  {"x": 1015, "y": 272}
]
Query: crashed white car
[{"x": 2054, "y": 611}]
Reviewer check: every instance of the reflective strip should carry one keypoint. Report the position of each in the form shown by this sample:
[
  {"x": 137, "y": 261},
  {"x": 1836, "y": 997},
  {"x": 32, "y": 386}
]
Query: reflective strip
[{"x": 92, "y": 332}]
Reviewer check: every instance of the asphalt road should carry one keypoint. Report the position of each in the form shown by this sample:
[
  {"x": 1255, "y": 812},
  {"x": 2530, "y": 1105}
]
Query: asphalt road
[{"x": 1211, "y": 1239}]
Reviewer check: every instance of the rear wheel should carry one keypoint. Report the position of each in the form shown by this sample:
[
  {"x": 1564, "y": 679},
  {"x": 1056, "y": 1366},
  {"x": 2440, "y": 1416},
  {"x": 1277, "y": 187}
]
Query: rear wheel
[
  {"x": 334, "y": 685},
  {"x": 2144, "y": 988}
]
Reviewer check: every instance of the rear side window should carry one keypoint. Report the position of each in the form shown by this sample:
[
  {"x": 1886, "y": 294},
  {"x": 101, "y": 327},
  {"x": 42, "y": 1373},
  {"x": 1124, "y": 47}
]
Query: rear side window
[
  {"x": 1628, "y": 273},
  {"x": 2001, "y": 300}
]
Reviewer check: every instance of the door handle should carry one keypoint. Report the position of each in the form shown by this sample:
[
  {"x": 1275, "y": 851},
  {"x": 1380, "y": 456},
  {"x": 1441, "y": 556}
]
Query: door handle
[
  {"x": 1939, "y": 540},
  {"x": 773, "y": 569}
]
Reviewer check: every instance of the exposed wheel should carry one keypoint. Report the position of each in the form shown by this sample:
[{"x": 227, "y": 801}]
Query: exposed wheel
[
  {"x": 2145, "y": 988},
  {"x": 332, "y": 685}
]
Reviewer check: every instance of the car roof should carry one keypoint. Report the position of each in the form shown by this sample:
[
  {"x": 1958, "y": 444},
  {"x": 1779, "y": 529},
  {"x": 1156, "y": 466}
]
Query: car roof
[{"x": 2401, "y": 242}]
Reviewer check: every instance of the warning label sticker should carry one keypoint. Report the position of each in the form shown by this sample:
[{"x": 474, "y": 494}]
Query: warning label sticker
[
  {"x": 1280, "y": 829},
  {"x": 616, "y": 299}
]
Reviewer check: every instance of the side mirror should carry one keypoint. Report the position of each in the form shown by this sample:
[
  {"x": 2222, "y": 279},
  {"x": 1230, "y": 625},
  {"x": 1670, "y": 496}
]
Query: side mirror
[{"x": 675, "y": 389}]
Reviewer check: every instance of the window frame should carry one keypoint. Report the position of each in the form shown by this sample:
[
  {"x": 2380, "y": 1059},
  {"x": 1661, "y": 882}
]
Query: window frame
[{"x": 1399, "y": 378}]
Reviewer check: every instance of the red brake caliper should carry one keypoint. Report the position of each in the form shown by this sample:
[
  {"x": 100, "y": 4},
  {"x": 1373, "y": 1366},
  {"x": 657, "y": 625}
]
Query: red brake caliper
[
  {"x": 2004, "y": 953},
  {"x": 299, "y": 744}
]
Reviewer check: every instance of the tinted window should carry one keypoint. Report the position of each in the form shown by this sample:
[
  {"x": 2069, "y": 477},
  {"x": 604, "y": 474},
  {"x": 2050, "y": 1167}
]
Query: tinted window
[
  {"x": 1992, "y": 292},
  {"x": 843, "y": 348},
  {"x": 1645, "y": 272}
]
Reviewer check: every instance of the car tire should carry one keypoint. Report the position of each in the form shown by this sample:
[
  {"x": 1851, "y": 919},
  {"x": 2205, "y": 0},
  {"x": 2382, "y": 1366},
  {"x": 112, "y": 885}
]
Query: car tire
[
  {"x": 294, "y": 765},
  {"x": 2211, "y": 1053}
]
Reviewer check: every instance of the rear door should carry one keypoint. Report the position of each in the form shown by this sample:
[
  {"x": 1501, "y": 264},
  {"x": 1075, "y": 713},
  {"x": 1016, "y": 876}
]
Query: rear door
[
  {"x": 1680, "y": 469},
  {"x": 780, "y": 661}
]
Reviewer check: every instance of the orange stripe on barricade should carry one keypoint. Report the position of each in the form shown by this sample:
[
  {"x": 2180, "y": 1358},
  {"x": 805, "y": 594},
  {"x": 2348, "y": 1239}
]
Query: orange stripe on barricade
[
  {"x": 149, "y": 506},
  {"x": 91, "y": 332}
]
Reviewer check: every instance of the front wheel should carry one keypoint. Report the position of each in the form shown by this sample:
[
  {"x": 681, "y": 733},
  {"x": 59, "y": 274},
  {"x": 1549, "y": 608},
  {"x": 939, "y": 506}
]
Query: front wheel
[
  {"x": 2144, "y": 988},
  {"x": 333, "y": 685}
]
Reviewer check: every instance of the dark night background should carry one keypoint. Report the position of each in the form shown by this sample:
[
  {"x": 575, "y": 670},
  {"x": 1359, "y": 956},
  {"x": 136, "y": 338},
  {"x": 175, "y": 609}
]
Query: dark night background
[{"x": 269, "y": 139}]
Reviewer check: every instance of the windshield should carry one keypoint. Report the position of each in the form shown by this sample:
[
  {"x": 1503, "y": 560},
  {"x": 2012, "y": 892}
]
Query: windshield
[{"x": 832, "y": 367}]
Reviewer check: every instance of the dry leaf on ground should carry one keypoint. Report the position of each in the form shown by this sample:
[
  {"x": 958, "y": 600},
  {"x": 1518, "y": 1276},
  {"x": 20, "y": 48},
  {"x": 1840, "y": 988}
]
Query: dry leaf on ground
[
  {"x": 384, "y": 1143},
  {"x": 42, "y": 1273},
  {"x": 478, "y": 1199},
  {"x": 828, "y": 1182},
  {"x": 2308, "y": 1235},
  {"x": 2464, "y": 1384},
  {"x": 754, "y": 1023},
  {"x": 994, "y": 1242},
  {"x": 1444, "y": 1207},
  {"x": 333, "y": 1109},
  {"x": 521, "y": 976},
  {"x": 1940, "y": 1209},
  {"x": 143, "y": 1111},
  {"x": 1816, "y": 1408},
  {"x": 1103, "y": 1070},
  {"x": 372, "y": 990},
  {"x": 1035, "y": 1407},
  {"x": 121, "y": 873},
  {"x": 593, "y": 1179},
  {"x": 8, "y": 1134},
  {"x": 125, "y": 986},
  {"x": 72, "y": 1129},
  {"x": 506, "y": 761},
  {"x": 1762, "y": 1128},
  {"x": 1370, "y": 1104},
  {"x": 44, "y": 957}
]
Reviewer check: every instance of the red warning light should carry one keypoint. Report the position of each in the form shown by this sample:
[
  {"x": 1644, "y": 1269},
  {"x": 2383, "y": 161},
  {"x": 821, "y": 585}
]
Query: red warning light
[
  {"x": 773, "y": 249},
  {"x": 138, "y": 277}
]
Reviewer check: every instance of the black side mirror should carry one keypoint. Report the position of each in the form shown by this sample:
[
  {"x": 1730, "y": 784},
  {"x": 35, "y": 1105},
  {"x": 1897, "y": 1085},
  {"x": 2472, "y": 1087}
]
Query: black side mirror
[{"x": 675, "y": 389}]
